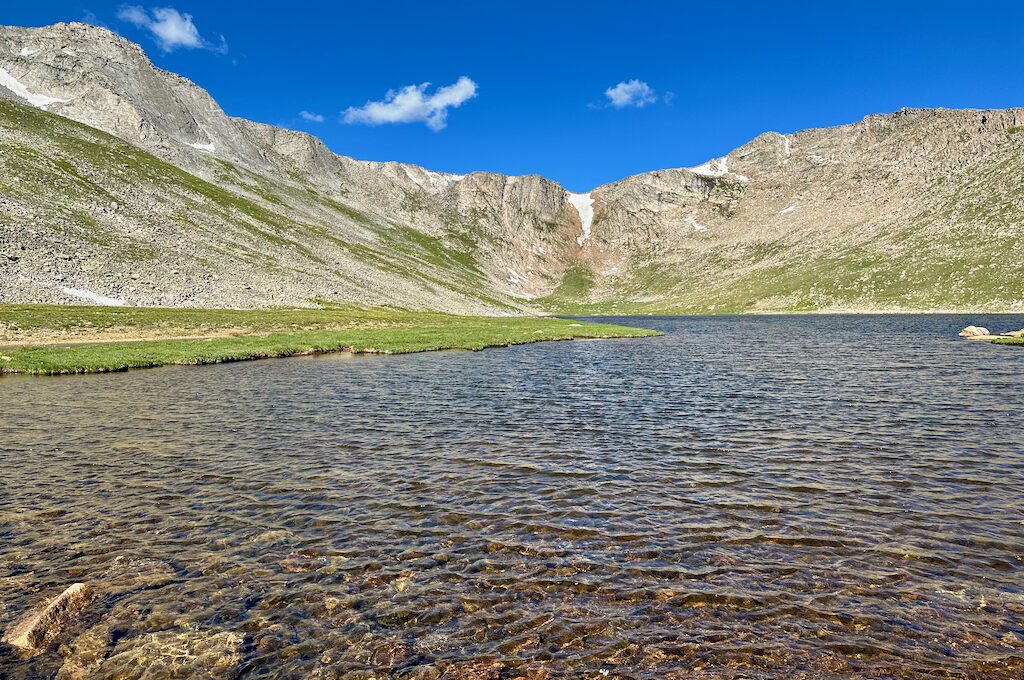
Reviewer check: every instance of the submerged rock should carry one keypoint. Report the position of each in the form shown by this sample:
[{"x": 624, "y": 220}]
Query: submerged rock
[
  {"x": 185, "y": 654},
  {"x": 300, "y": 562},
  {"x": 475, "y": 670},
  {"x": 85, "y": 654},
  {"x": 39, "y": 627},
  {"x": 272, "y": 536},
  {"x": 127, "y": 575},
  {"x": 17, "y": 582}
]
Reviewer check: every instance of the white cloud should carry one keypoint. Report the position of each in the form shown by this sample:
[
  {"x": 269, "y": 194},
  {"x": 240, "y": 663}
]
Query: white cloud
[
  {"x": 412, "y": 104},
  {"x": 89, "y": 17},
  {"x": 169, "y": 27},
  {"x": 312, "y": 117},
  {"x": 631, "y": 93}
]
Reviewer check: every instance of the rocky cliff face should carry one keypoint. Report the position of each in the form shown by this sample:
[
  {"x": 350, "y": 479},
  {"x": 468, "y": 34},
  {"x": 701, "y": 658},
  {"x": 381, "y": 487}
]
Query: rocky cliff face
[{"x": 122, "y": 182}]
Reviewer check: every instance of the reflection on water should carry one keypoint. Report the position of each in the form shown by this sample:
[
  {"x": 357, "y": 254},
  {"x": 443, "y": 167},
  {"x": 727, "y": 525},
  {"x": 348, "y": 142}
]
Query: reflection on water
[{"x": 744, "y": 497}]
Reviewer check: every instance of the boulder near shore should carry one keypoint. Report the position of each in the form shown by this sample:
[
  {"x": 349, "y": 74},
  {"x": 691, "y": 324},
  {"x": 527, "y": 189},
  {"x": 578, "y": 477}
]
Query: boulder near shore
[
  {"x": 975, "y": 332},
  {"x": 37, "y": 628},
  {"x": 40, "y": 628},
  {"x": 982, "y": 333}
]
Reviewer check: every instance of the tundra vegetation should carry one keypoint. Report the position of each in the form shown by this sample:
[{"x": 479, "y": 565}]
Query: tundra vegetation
[{"x": 54, "y": 339}]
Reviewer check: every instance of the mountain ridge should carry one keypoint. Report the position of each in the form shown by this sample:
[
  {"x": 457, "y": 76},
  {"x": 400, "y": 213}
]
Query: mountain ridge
[{"x": 501, "y": 243}]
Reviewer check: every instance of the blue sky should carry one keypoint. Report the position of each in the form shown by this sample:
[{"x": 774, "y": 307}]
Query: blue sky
[{"x": 584, "y": 93}]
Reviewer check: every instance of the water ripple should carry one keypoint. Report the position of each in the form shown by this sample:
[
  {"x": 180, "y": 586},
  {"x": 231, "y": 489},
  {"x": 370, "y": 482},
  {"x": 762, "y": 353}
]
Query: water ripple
[{"x": 745, "y": 497}]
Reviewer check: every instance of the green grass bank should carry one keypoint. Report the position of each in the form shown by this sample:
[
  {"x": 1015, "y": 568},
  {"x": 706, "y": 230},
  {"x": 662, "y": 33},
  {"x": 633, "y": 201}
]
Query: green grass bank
[{"x": 58, "y": 339}]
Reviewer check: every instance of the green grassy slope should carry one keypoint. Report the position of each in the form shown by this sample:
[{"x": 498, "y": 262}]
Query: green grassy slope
[{"x": 66, "y": 174}]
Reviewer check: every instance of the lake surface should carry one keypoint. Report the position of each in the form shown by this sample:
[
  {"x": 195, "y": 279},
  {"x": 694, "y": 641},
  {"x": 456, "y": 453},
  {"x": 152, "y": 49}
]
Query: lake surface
[{"x": 746, "y": 497}]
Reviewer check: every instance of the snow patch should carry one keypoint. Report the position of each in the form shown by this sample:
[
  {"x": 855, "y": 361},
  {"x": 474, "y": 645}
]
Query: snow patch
[
  {"x": 413, "y": 176},
  {"x": 697, "y": 226},
  {"x": 93, "y": 297},
  {"x": 430, "y": 180},
  {"x": 717, "y": 167},
  {"x": 787, "y": 147},
  {"x": 26, "y": 52},
  {"x": 584, "y": 205},
  {"x": 209, "y": 147},
  {"x": 40, "y": 101},
  {"x": 513, "y": 277},
  {"x": 788, "y": 209}
]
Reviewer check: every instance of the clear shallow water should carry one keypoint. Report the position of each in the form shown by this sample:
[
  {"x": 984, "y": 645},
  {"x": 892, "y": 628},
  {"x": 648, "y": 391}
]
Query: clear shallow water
[{"x": 744, "y": 497}]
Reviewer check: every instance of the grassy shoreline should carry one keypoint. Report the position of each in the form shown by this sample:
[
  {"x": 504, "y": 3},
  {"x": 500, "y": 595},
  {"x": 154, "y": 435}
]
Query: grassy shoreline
[{"x": 55, "y": 339}]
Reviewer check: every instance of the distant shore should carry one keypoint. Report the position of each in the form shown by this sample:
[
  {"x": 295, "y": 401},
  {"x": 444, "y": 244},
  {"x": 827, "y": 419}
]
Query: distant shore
[
  {"x": 58, "y": 339},
  {"x": 633, "y": 310}
]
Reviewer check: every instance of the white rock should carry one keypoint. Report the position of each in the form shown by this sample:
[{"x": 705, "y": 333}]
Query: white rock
[{"x": 39, "y": 627}]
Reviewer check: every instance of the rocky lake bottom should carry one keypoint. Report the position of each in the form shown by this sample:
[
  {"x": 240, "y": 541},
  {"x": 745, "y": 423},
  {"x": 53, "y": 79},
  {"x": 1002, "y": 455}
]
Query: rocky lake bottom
[{"x": 745, "y": 497}]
